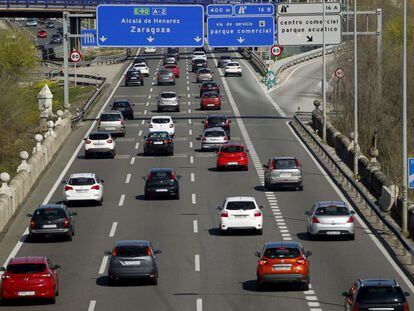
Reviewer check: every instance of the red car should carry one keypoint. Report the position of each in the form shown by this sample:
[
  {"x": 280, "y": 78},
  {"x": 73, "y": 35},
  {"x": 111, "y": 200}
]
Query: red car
[
  {"x": 210, "y": 100},
  {"x": 174, "y": 68},
  {"x": 30, "y": 277},
  {"x": 232, "y": 155},
  {"x": 42, "y": 34}
]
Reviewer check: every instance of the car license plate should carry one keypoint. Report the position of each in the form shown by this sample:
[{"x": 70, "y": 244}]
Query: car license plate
[
  {"x": 131, "y": 263},
  {"x": 133, "y": 78},
  {"x": 158, "y": 143},
  {"x": 333, "y": 232},
  {"x": 282, "y": 267},
  {"x": 26, "y": 293},
  {"x": 81, "y": 190},
  {"x": 111, "y": 128},
  {"x": 49, "y": 226},
  {"x": 285, "y": 174},
  {"x": 232, "y": 163},
  {"x": 161, "y": 190},
  {"x": 240, "y": 216},
  {"x": 210, "y": 105}
]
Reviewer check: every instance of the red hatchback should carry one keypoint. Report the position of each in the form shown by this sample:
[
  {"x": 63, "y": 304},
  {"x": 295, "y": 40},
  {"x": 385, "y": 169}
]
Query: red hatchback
[
  {"x": 210, "y": 100},
  {"x": 30, "y": 277},
  {"x": 174, "y": 68},
  {"x": 42, "y": 34},
  {"x": 232, "y": 156}
]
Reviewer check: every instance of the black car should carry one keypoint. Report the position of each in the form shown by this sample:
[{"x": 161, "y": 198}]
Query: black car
[
  {"x": 197, "y": 64},
  {"x": 52, "y": 220},
  {"x": 158, "y": 142},
  {"x": 161, "y": 182},
  {"x": 218, "y": 120},
  {"x": 174, "y": 52},
  {"x": 199, "y": 49},
  {"x": 60, "y": 30},
  {"x": 209, "y": 86},
  {"x": 56, "y": 38},
  {"x": 134, "y": 77},
  {"x": 224, "y": 60},
  {"x": 376, "y": 294},
  {"x": 124, "y": 107},
  {"x": 47, "y": 53}
]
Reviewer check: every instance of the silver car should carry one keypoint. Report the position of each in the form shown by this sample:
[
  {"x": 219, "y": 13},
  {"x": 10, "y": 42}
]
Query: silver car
[
  {"x": 204, "y": 74},
  {"x": 283, "y": 171},
  {"x": 168, "y": 101},
  {"x": 112, "y": 122},
  {"x": 133, "y": 259},
  {"x": 213, "y": 138},
  {"x": 330, "y": 218},
  {"x": 165, "y": 76}
]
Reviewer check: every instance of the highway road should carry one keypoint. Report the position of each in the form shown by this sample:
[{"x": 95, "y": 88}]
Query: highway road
[{"x": 198, "y": 268}]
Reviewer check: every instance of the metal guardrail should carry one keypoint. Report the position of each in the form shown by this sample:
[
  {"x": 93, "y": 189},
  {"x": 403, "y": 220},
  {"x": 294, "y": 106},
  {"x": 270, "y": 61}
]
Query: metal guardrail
[
  {"x": 395, "y": 230},
  {"x": 255, "y": 59}
]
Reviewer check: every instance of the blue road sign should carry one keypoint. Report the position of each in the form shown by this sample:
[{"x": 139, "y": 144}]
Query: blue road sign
[
  {"x": 88, "y": 38},
  {"x": 240, "y": 31},
  {"x": 254, "y": 9},
  {"x": 219, "y": 9},
  {"x": 150, "y": 25},
  {"x": 411, "y": 173}
]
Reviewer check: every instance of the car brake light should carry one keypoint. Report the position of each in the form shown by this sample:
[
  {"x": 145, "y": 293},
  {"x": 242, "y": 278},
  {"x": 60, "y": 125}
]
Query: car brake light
[
  {"x": 109, "y": 141},
  {"x": 226, "y": 138},
  {"x": 149, "y": 252},
  {"x": 301, "y": 261},
  {"x": 203, "y": 139},
  {"x": 262, "y": 262},
  {"x": 122, "y": 122},
  {"x": 355, "y": 307},
  {"x": 406, "y": 307},
  {"x": 221, "y": 155},
  {"x": 315, "y": 220},
  {"x": 149, "y": 142},
  {"x": 297, "y": 163},
  {"x": 6, "y": 276},
  {"x": 67, "y": 188},
  {"x": 224, "y": 214},
  {"x": 350, "y": 220},
  {"x": 115, "y": 251},
  {"x": 171, "y": 125},
  {"x": 95, "y": 187},
  {"x": 257, "y": 214},
  {"x": 32, "y": 224},
  {"x": 173, "y": 176},
  {"x": 87, "y": 141},
  {"x": 66, "y": 223},
  {"x": 168, "y": 141}
]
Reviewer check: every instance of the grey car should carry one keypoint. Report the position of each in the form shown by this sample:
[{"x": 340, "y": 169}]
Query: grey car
[
  {"x": 133, "y": 259},
  {"x": 112, "y": 122},
  {"x": 213, "y": 138},
  {"x": 204, "y": 74},
  {"x": 168, "y": 101},
  {"x": 330, "y": 218},
  {"x": 224, "y": 60},
  {"x": 165, "y": 76},
  {"x": 283, "y": 171}
]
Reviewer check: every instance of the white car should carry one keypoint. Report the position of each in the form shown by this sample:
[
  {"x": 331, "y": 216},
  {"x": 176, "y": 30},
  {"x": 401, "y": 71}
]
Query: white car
[
  {"x": 233, "y": 68},
  {"x": 199, "y": 55},
  {"x": 162, "y": 124},
  {"x": 148, "y": 50},
  {"x": 83, "y": 187},
  {"x": 240, "y": 213},
  {"x": 99, "y": 143},
  {"x": 143, "y": 68}
]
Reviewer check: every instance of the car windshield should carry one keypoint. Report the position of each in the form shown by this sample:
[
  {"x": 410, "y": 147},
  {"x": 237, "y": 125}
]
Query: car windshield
[
  {"x": 332, "y": 210},
  {"x": 171, "y": 66},
  {"x": 210, "y": 95},
  {"x": 238, "y": 205},
  {"x": 380, "y": 294},
  {"x": 215, "y": 120},
  {"x": 49, "y": 213},
  {"x": 232, "y": 149},
  {"x": 198, "y": 53},
  {"x": 121, "y": 105},
  {"x": 26, "y": 268},
  {"x": 81, "y": 181},
  {"x": 158, "y": 135},
  {"x": 168, "y": 95},
  {"x": 161, "y": 120},
  {"x": 285, "y": 164},
  {"x": 214, "y": 134},
  {"x": 209, "y": 85},
  {"x": 282, "y": 252},
  {"x": 132, "y": 251},
  {"x": 98, "y": 136},
  {"x": 110, "y": 117},
  {"x": 161, "y": 175}
]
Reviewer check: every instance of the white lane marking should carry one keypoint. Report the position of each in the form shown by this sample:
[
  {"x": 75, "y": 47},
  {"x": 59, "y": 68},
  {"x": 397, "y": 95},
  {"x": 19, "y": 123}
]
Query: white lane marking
[
  {"x": 190, "y": 132},
  {"x": 145, "y": 111},
  {"x": 103, "y": 264},
  {"x": 121, "y": 200},
  {"x": 199, "y": 304},
  {"x": 195, "y": 226},
  {"x": 197, "y": 263},
  {"x": 149, "y": 96},
  {"x": 147, "y": 104},
  {"x": 192, "y": 177},
  {"x": 189, "y": 121},
  {"x": 150, "y": 89},
  {"x": 142, "y": 122},
  {"x": 191, "y": 144},
  {"x": 128, "y": 178},
  {"x": 188, "y": 95},
  {"x": 191, "y": 159},
  {"x": 140, "y": 133},
  {"x": 189, "y": 110},
  {"x": 188, "y": 88},
  {"x": 92, "y": 305},
  {"x": 188, "y": 82},
  {"x": 193, "y": 198},
  {"x": 136, "y": 145},
  {"x": 113, "y": 229},
  {"x": 132, "y": 160},
  {"x": 361, "y": 222}
]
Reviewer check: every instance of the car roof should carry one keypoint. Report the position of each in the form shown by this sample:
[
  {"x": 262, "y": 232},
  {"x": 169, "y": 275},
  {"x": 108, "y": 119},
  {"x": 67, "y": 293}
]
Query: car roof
[
  {"x": 282, "y": 243},
  {"x": 209, "y": 82},
  {"x": 111, "y": 112},
  {"x": 215, "y": 128},
  {"x": 46, "y": 206},
  {"x": 330, "y": 203},
  {"x": 210, "y": 92},
  {"x": 378, "y": 282},
  {"x": 160, "y": 170},
  {"x": 161, "y": 117},
  {"x": 284, "y": 158},
  {"x": 132, "y": 243},
  {"x": 90, "y": 175},
  {"x": 27, "y": 259},
  {"x": 233, "y": 145},
  {"x": 121, "y": 101},
  {"x": 168, "y": 92},
  {"x": 240, "y": 199}
]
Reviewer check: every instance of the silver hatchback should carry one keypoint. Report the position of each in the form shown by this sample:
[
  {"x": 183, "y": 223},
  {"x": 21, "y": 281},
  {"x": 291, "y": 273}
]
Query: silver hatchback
[
  {"x": 204, "y": 74},
  {"x": 330, "y": 218},
  {"x": 213, "y": 138},
  {"x": 112, "y": 122},
  {"x": 283, "y": 171},
  {"x": 168, "y": 101}
]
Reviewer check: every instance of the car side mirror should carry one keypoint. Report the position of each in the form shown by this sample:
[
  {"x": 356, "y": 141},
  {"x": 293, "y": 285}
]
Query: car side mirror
[
  {"x": 247, "y": 150},
  {"x": 406, "y": 294},
  {"x": 2, "y": 269},
  {"x": 55, "y": 267},
  {"x": 345, "y": 294},
  {"x": 157, "y": 251},
  {"x": 353, "y": 212},
  {"x": 29, "y": 215},
  {"x": 257, "y": 254},
  {"x": 203, "y": 122},
  {"x": 261, "y": 207},
  {"x": 229, "y": 121},
  {"x": 179, "y": 97},
  {"x": 74, "y": 214},
  {"x": 307, "y": 213},
  {"x": 308, "y": 253},
  {"x": 108, "y": 253},
  {"x": 133, "y": 105}
]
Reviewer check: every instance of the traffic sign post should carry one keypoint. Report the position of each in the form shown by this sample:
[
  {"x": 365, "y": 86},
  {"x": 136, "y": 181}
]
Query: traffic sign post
[
  {"x": 88, "y": 38},
  {"x": 150, "y": 25},
  {"x": 276, "y": 50},
  {"x": 411, "y": 173}
]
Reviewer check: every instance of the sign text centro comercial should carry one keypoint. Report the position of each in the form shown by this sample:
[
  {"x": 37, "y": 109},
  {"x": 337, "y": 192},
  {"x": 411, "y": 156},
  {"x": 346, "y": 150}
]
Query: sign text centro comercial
[{"x": 150, "y": 25}]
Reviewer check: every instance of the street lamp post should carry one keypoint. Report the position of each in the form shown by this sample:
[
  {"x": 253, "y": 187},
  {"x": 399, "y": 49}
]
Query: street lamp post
[
  {"x": 355, "y": 92},
  {"x": 404, "y": 126},
  {"x": 324, "y": 72}
]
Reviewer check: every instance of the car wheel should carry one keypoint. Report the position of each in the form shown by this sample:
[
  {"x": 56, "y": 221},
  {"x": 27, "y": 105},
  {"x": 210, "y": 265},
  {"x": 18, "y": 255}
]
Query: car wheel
[
  {"x": 266, "y": 185},
  {"x": 69, "y": 237},
  {"x": 86, "y": 155},
  {"x": 57, "y": 292},
  {"x": 246, "y": 168},
  {"x": 99, "y": 202},
  {"x": 259, "y": 284},
  {"x": 111, "y": 281},
  {"x": 300, "y": 188},
  {"x": 305, "y": 286},
  {"x": 177, "y": 196},
  {"x": 259, "y": 232},
  {"x": 147, "y": 196},
  {"x": 351, "y": 237},
  {"x": 113, "y": 154},
  {"x": 177, "y": 110},
  {"x": 225, "y": 74},
  {"x": 142, "y": 83},
  {"x": 52, "y": 300},
  {"x": 154, "y": 281},
  {"x": 223, "y": 232}
]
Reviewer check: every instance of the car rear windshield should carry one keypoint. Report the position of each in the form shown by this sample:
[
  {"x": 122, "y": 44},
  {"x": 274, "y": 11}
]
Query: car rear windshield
[
  {"x": 172, "y": 66},
  {"x": 158, "y": 135},
  {"x": 140, "y": 65},
  {"x": 232, "y": 149},
  {"x": 245, "y": 205},
  {"x": 225, "y": 57},
  {"x": 282, "y": 252},
  {"x": 134, "y": 73},
  {"x": 214, "y": 133},
  {"x": 110, "y": 117},
  {"x": 26, "y": 268},
  {"x": 168, "y": 95},
  {"x": 209, "y": 85},
  {"x": 216, "y": 120},
  {"x": 199, "y": 61},
  {"x": 285, "y": 164},
  {"x": 98, "y": 136},
  {"x": 205, "y": 70},
  {"x": 233, "y": 64},
  {"x": 161, "y": 175},
  {"x": 332, "y": 210},
  {"x": 160, "y": 120},
  {"x": 380, "y": 294},
  {"x": 81, "y": 181},
  {"x": 55, "y": 35},
  {"x": 132, "y": 251},
  {"x": 121, "y": 105},
  {"x": 49, "y": 213},
  {"x": 165, "y": 72},
  {"x": 210, "y": 95}
]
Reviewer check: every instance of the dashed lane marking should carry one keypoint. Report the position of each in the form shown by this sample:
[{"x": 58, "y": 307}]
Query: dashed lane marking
[
  {"x": 113, "y": 229},
  {"x": 197, "y": 263},
  {"x": 132, "y": 160},
  {"x": 193, "y": 198},
  {"x": 92, "y": 305},
  {"x": 191, "y": 159},
  {"x": 103, "y": 264},
  {"x": 137, "y": 146},
  {"x": 191, "y": 144},
  {"x": 195, "y": 226},
  {"x": 140, "y": 133},
  {"x": 199, "y": 304},
  {"x": 128, "y": 178},
  {"x": 121, "y": 200},
  {"x": 192, "y": 177}
]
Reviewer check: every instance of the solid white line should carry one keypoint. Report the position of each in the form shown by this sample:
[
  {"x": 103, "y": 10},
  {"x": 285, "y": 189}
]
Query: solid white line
[
  {"x": 128, "y": 178},
  {"x": 91, "y": 306},
  {"x": 113, "y": 229},
  {"x": 197, "y": 263},
  {"x": 192, "y": 176},
  {"x": 103, "y": 264},
  {"x": 193, "y": 198},
  {"x": 191, "y": 159},
  {"x": 132, "y": 160},
  {"x": 121, "y": 200},
  {"x": 199, "y": 304},
  {"x": 136, "y": 145},
  {"x": 195, "y": 226}
]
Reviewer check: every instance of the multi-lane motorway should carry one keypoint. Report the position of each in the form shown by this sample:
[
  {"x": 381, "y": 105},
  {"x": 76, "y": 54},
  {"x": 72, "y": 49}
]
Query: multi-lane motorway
[{"x": 199, "y": 269}]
